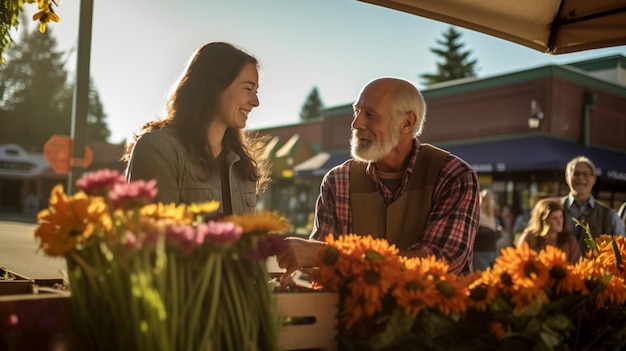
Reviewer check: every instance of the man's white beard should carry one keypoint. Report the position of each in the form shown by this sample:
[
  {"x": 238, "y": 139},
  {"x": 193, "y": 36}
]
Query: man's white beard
[{"x": 372, "y": 149}]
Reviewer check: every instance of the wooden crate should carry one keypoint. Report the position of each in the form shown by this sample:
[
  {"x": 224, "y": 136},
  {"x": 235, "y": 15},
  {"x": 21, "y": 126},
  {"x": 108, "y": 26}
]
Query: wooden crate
[
  {"x": 315, "y": 317},
  {"x": 38, "y": 322},
  {"x": 12, "y": 283}
]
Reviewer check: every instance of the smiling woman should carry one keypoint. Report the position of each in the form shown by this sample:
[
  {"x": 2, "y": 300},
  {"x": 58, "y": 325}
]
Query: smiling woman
[{"x": 200, "y": 151}]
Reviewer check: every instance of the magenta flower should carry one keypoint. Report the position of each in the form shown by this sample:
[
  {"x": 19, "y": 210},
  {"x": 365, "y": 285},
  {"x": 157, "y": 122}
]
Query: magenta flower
[
  {"x": 218, "y": 233},
  {"x": 99, "y": 182},
  {"x": 133, "y": 194},
  {"x": 268, "y": 245},
  {"x": 131, "y": 243},
  {"x": 181, "y": 235}
]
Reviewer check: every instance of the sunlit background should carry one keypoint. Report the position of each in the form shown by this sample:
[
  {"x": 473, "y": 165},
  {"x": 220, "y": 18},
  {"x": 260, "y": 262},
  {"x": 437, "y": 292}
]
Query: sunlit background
[{"x": 140, "y": 47}]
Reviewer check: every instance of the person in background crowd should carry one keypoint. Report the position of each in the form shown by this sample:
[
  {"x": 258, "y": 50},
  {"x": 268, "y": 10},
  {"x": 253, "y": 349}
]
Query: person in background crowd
[
  {"x": 485, "y": 250},
  {"x": 521, "y": 221},
  {"x": 580, "y": 175},
  {"x": 507, "y": 221},
  {"x": 547, "y": 226},
  {"x": 200, "y": 151},
  {"x": 416, "y": 196}
]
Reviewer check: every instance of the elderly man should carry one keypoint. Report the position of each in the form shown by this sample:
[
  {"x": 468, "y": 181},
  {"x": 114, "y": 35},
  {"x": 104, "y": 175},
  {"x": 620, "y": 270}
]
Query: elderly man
[
  {"x": 580, "y": 175},
  {"x": 416, "y": 196}
]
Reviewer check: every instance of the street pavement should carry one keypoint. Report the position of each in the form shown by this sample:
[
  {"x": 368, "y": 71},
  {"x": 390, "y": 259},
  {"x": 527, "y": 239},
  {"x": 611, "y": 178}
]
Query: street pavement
[{"x": 19, "y": 252}]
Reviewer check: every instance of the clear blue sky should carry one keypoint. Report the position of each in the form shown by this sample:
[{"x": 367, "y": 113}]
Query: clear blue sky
[{"x": 140, "y": 47}]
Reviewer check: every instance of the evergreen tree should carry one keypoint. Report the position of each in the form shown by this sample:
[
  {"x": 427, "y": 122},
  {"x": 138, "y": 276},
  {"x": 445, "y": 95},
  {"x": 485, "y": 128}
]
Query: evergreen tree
[
  {"x": 35, "y": 97},
  {"x": 312, "y": 107},
  {"x": 455, "y": 63}
]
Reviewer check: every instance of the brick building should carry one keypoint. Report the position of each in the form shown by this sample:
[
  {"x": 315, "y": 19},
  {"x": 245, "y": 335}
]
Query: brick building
[{"x": 577, "y": 109}]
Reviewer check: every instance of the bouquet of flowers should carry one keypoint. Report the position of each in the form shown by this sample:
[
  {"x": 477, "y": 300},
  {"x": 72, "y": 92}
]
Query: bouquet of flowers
[
  {"x": 153, "y": 276},
  {"x": 528, "y": 300}
]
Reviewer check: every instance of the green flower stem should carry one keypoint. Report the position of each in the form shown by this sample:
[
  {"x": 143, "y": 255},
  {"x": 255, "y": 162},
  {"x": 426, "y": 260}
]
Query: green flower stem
[
  {"x": 231, "y": 329},
  {"x": 196, "y": 300},
  {"x": 173, "y": 303},
  {"x": 235, "y": 286},
  {"x": 211, "y": 321}
]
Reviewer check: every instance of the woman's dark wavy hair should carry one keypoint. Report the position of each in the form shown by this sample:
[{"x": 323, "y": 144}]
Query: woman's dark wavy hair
[{"x": 193, "y": 104}]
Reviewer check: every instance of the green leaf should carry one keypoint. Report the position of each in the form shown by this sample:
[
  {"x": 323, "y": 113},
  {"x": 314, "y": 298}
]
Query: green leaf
[{"x": 398, "y": 326}]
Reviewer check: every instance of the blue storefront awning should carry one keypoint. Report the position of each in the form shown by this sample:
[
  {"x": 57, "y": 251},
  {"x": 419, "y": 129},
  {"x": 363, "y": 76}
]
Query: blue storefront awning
[{"x": 535, "y": 154}]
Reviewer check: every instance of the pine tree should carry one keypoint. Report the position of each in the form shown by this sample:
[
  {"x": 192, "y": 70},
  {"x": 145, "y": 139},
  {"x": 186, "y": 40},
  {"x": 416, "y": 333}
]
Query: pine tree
[
  {"x": 455, "y": 63},
  {"x": 312, "y": 107},
  {"x": 36, "y": 98}
]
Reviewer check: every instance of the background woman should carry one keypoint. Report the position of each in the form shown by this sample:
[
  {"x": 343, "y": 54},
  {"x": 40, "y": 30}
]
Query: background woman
[
  {"x": 485, "y": 250},
  {"x": 547, "y": 227},
  {"x": 199, "y": 151}
]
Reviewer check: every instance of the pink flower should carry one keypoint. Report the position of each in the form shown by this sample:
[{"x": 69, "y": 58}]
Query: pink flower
[
  {"x": 99, "y": 182},
  {"x": 218, "y": 233},
  {"x": 181, "y": 235},
  {"x": 136, "y": 193},
  {"x": 268, "y": 245},
  {"x": 131, "y": 243},
  {"x": 14, "y": 319}
]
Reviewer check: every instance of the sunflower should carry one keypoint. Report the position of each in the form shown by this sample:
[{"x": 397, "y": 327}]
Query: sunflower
[
  {"x": 523, "y": 267},
  {"x": 451, "y": 294},
  {"x": 562, "y": 278},
  {"x": 414, "y": 289},
  {"x": 481, "y": 289},
  {"x": 612, "y": 253},
  {"x": 613, "y": 291},
  {"x": 592, "y": 275},
  {"x": 353, "y": 310}
]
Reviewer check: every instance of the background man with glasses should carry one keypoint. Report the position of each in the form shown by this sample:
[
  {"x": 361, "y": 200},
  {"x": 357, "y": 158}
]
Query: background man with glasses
[{"x": 580, "y": 175}]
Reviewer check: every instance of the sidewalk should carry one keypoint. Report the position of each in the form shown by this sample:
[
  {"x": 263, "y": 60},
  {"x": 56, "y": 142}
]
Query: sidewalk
[{"x": 16, "y": 217}]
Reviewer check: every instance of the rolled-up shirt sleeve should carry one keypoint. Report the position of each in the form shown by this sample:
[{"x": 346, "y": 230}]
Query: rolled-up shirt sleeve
[{"x": 325, "y": 221}]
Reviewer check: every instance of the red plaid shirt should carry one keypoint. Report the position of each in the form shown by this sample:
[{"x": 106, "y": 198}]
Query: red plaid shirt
[{"x": 453, "y": 218}]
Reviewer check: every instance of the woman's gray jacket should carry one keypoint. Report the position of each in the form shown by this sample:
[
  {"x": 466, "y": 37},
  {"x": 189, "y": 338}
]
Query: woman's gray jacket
[{"x": 184, "y": 177}]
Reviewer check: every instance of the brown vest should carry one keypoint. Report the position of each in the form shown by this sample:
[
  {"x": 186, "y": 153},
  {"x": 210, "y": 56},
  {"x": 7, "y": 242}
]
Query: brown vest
[
  {"x": 599, "y": 219},
  {"x": 403, "y": 221}
]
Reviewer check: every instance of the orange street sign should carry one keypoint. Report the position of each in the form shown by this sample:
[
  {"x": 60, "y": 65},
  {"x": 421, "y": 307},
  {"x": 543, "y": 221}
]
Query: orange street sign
[{"x": 58, "y": 153}]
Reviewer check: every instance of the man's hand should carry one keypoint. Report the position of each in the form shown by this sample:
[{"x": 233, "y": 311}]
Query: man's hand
[{"x": 301, "y": 253}]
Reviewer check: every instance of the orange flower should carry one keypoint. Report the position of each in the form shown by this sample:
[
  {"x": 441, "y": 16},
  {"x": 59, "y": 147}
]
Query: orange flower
[
  {"x": 70, "y": 221},
  {"x": 451, "y": 294},
  {"x": 562, "y": 277},
  {"x": 609, "y": 247},
  {"x": 481, "y": 289},
  {"x": 265, "y": 222},
  {"x": 414, "y": 289}
]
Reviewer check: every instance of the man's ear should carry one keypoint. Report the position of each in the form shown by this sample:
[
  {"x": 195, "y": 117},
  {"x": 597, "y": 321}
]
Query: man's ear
[{"x": 408, "y": 122}]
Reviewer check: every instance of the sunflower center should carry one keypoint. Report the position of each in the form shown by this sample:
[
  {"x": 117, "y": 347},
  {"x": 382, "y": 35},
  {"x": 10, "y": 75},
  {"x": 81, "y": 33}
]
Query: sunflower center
[
  {"x": 445, "y": 289},
  {"x": 479, "y": 293},
  {"x": 373, "y": 256},
  {"x": 371, "y": 277},
  {"x": 505, "y": 278},
  {"x": 557, "y": 272}
]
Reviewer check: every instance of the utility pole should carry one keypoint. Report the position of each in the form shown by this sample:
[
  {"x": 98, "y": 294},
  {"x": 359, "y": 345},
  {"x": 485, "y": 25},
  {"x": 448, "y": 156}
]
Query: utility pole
[{"x": 81, "y": 95}]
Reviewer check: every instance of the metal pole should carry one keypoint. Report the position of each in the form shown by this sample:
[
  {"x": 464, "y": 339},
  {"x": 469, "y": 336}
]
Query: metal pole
[{"x": 81, "y": 94}]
